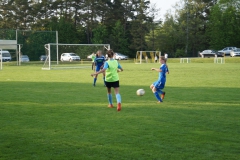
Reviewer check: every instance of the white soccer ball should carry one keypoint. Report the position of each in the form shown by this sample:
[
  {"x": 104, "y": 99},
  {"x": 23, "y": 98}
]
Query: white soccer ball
[{"x": 140, "y": 92}]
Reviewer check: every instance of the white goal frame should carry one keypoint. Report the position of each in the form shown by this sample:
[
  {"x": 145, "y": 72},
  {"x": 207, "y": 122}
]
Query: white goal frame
[
  {"x": 149, "y": 56},
  {"x": 1, "y": 59},
  {"x": 219, "y": 60},
  {"x": 47, "y": 64}
]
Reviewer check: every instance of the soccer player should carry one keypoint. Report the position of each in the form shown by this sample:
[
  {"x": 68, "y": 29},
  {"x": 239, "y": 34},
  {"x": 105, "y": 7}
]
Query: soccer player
[
  {"x": 166, "y": 57},
  {"x": 99, "y": 62},
  {"x": 158, "y": 85},
  {"x": 93, "y": 63},
  {"x": 112, "y": 67}
]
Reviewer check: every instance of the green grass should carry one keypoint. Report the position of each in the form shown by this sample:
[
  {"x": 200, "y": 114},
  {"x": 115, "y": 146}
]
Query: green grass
[{"x": 58, "y": 114}]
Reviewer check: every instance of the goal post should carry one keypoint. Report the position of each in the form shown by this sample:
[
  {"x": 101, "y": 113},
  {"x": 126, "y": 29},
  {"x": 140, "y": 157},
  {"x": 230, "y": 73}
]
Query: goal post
[
  {"x": 9, "y": 46},
  {"x": 147, "y": 57},
  {"x": 1, "y": 59},
  {"x": 54, "y": 51},
  {"x": 26, "y": 42}
]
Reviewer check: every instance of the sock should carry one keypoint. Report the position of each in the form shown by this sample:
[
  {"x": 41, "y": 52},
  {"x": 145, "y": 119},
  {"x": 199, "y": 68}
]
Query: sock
[
  {"x": 118, "y": 97},
  {"x": 94, "y": 81},
  {"x": 109, "y": 98},
  {"x": 160, "y": 92},
  {"x": 157, "y": 96}
]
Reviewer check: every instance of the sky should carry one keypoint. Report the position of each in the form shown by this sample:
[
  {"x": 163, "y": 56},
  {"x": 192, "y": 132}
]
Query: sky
[{"x": 164, "y": 5}]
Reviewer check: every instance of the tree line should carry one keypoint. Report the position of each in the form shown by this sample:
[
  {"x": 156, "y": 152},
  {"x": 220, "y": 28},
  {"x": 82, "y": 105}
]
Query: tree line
[{"x": 130, "y": 25}]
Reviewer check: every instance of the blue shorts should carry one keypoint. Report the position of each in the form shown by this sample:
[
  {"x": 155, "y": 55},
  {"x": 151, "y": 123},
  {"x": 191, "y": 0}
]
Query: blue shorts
[
  {"x": 98, "y": 68},
  {"x": 159, "y": 85}
]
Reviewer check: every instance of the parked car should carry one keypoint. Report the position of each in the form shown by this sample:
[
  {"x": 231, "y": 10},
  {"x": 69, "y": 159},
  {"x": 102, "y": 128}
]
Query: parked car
[
  {"x": 208, "y": 53},
  {"x": 6, "y": 56},
  {"x": 235, "y": 52},
  {"x": 120, "y": 56},
  {"x": 69, "y": 57},
  {"x": 24, "y": 58},
  {"x": 226, "y": 50},
  {"x": 43, "y": 57},
  {"x": 219, "y": 54}
]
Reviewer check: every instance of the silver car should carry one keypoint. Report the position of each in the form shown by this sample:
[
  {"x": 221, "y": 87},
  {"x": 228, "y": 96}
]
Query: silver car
[
  {"x": 120, "y": 56},
  {"x": 69, "y": 57},
  {"x": 208, "y": 53},
  {"x": 235, "y": 52},
  {"x": 24, "y": 58},
  {"x": 227, "y": 50}
]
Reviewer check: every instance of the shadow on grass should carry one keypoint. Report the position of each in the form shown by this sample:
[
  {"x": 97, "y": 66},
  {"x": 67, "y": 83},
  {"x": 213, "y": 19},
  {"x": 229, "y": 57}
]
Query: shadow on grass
[
  {"x": 72, "y": 121},
  {"x": 85, "y": 94}
]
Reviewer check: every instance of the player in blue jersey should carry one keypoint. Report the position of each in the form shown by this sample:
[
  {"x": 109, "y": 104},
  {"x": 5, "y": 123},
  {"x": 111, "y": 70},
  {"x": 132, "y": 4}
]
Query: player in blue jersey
[
  {"x": 158, "y": 85},
  {"x": 99, "y": 62}
]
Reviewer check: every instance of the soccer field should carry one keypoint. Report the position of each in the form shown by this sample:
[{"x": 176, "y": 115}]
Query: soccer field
[{"x": 58, "y": 114}]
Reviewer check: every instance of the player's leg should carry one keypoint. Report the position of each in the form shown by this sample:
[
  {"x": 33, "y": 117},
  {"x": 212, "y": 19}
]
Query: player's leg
[
  {"x": 160, "y": 87},
  {"x": 104, "y": 79},
  {"x": 109, "y": 96},
  {"x": 95, "y": 78},
  {"x": 118, "y": 96},
  {"x": 155, "y": 91},
  {"x": 151, "y": 86}
]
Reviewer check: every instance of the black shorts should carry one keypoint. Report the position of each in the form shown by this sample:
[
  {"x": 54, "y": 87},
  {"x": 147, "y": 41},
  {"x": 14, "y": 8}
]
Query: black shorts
[{"x": 112, "y": 84}]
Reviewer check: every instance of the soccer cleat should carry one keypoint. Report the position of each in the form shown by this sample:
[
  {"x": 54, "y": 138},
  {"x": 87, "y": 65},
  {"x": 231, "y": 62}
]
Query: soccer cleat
[
  {"x": 159, "y": 101},
  {"x": 110, "y": 106},
  {"x": 163, "y": 95},
  {"x": 94, "y": 84},
  {"x": 119, "y": 107}
]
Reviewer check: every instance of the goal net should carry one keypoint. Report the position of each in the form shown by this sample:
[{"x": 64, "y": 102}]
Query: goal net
[
  {"x": 26, "y": 42},
  {"x": 6, "y": 48},
  {"x": 147, "y": 57},
  {"x": 71, "y": 56}
]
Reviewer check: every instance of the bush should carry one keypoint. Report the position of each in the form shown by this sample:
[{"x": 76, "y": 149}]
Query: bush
[{"x": 180, "y": 53}]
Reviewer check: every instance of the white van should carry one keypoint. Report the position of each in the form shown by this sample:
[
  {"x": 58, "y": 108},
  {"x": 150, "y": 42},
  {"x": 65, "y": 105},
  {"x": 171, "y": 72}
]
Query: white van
[{"x": 6, "y": 56}]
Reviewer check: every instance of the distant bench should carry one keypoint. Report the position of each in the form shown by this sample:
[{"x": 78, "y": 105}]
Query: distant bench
[{"x": 182, "y": 60}]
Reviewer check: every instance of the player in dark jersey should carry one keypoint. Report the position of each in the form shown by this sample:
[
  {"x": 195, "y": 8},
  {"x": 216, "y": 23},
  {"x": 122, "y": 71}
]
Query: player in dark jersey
[{"x": 99, "y": 62}]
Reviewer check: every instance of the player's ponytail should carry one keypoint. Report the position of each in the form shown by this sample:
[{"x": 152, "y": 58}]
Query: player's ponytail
[{"x": 110, "y": 53}]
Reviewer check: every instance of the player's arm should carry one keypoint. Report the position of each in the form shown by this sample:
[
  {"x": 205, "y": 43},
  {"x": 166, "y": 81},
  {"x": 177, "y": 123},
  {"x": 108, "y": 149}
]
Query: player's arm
[
  {"x": 120, "y": 69},
  {"x": 156, "y": 69},
  {"x": 95, "y": 61},
  {"x": 102, "y": 70},
  {"x": 167, "y": 69}
]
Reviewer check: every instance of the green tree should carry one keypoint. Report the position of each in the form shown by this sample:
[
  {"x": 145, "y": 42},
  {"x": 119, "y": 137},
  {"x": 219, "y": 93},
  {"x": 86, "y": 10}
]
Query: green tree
[
  {"x": 153, "y": 26},
  {"x": 67, "y": 32},
  {"x": 194, "y": 19},
  {"x": 186, "y": 29},
  {"x": 224, "y": 24},
  {"x": 139, "y": 27},
  {"x": 100, "y": 34},
  {"x": 119, "y": 41},
  {"x": 17, "y": 14},
  {"x": 34, "y": 41}
]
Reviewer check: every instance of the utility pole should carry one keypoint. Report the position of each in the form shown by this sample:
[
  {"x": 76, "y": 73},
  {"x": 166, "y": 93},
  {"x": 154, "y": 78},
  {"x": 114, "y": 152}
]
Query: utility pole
[{"x": 187, "y": 29}]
